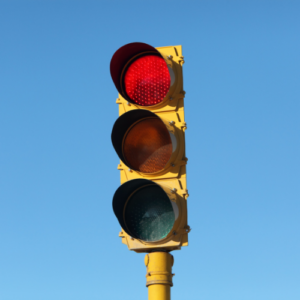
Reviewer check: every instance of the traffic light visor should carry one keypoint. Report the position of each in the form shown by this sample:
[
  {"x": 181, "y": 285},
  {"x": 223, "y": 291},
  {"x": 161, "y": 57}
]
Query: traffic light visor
[{"x": 144, "y": 210}]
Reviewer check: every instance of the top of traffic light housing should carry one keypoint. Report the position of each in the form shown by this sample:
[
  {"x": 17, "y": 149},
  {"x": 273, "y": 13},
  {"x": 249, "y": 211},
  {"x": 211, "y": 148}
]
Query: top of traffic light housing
[{"x": 143, "y": 75}]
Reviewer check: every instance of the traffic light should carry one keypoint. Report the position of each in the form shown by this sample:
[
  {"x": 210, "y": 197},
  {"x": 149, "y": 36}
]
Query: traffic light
[{"x": 149, "y": 138}]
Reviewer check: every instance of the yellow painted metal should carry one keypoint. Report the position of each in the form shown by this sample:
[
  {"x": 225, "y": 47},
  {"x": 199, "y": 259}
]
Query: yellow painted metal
[
  {"x": 159, "y": 292},
  {"x": 171, "y": 109},
  {"x": 159, "y": 275}
]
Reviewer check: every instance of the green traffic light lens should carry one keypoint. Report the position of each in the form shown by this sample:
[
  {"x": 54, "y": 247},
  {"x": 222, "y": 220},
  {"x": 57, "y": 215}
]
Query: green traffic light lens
[{"x": 149, "y": 215}]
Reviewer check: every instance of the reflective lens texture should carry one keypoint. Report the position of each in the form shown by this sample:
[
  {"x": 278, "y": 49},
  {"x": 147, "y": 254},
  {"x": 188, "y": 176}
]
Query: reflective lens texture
[
  {"x": 147, "y": 80},
  {"x": 149, "y": 215},
  {"x": 147, "y": 147}
]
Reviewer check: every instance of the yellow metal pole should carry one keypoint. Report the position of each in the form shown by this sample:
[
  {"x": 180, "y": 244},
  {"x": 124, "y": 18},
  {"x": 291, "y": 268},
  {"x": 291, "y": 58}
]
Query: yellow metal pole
[{"x": 159, "y": 275}]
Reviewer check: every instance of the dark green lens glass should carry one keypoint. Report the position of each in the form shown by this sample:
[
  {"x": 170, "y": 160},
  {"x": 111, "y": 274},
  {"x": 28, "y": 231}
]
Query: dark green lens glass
[{"x": 149, "y": 214}]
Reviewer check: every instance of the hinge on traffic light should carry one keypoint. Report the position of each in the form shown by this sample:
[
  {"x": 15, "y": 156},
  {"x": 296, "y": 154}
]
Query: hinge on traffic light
[
  {"x": 178, "y": 59},
  {"x": 183, "y": 162},
  {"x": 182, "y": 192},
  {"x": 183, "y": 126},
  {"x": 184, "y": 230}
]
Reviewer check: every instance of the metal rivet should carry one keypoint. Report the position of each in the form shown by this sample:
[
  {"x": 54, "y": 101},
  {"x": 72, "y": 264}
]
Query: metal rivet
[{"x": 171, "y": 122}]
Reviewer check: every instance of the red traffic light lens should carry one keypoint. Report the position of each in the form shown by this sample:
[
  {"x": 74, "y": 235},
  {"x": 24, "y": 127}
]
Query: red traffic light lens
[
  {"x": 147, "y": 80},
  {"x": 147, "y": 147}
]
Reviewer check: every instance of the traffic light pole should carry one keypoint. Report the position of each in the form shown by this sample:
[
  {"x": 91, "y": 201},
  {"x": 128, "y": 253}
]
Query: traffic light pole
[{"x": 159, "y": 275}]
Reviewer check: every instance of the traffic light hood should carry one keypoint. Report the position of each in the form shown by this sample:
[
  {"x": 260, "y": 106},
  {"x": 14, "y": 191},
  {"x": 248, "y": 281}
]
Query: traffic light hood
[
  {"x": 122, "y": 125},
  {"x": 122, "y": 194}
]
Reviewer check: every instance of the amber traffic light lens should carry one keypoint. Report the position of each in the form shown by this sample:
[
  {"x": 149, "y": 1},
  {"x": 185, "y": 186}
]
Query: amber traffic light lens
[
  {"x": 147, "y": 80},
  {"x": 147, "y": 147}
]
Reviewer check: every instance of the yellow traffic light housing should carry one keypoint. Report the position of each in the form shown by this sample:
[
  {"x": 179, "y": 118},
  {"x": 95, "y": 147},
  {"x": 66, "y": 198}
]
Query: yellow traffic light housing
[{"x": 149, "y": 139}]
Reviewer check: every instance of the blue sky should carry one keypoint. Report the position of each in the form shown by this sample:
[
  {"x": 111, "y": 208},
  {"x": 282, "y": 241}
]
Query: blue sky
[{"x": 58, "y": 169}]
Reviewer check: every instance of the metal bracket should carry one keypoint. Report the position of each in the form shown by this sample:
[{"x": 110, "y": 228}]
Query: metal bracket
[
  {"x": 183, "y": 192},
  {"x": 184, "y": 230}
]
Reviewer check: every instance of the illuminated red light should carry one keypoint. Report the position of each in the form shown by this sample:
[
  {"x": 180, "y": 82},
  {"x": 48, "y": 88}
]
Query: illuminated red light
[{"x": 147, "y": 80}]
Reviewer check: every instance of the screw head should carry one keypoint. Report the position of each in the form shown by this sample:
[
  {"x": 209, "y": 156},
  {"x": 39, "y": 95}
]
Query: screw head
[{"x": 173, "y": 190}]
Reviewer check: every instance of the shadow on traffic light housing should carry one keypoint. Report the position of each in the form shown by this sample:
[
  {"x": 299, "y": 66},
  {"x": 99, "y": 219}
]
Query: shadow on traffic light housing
[{"x": 149, "y": 139}]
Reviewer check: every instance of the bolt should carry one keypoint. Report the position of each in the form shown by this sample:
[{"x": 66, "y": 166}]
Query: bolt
[
  {"x": 173, "y": 165},
  {"x": 171, "y": 122},
  {"x": 174, "y": 232},
  {"x": 170, "y": 57},
  {"x": 129, "y": 170},
  {"x": 128, "y": 103},
  {"x": 171, "y": 98}
]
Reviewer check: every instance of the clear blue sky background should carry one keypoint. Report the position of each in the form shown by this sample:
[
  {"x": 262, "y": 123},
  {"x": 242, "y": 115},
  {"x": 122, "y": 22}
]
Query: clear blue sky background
[{"x": 58, "y": 170}]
